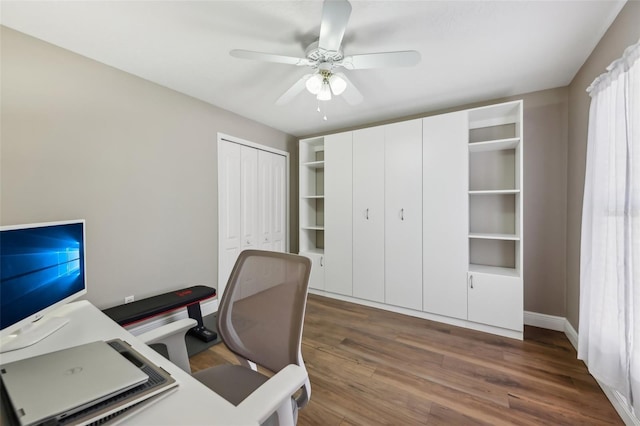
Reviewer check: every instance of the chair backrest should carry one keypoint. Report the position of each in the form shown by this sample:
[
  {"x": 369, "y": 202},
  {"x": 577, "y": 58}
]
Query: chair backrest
[{"x": 261, "y": 313}]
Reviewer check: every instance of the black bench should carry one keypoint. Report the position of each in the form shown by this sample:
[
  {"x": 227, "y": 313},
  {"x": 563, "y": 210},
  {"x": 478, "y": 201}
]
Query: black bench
[{"x": 143, "y": 309}]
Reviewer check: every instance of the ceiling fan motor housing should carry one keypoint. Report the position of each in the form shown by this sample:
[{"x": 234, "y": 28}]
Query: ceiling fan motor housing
[{"x": 321, "y": 56}]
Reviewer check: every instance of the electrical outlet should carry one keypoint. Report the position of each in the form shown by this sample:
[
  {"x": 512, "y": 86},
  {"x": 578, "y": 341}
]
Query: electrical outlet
[{"x": 128, "y": 299}]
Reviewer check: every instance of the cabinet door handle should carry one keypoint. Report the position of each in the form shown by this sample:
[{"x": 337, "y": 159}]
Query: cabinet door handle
[
  {"x": 321, "y": 260},
  {"x": 471, "y": 281},
  {"x": 401, "y": 214},
  {"x": 367, "y": 214}
]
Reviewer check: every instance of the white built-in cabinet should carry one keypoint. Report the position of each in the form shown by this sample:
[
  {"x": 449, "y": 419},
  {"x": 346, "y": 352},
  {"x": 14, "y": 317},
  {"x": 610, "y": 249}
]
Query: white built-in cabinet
[
  {"x": 252, "y": 201},
  {"x": 422, "y": 217}
]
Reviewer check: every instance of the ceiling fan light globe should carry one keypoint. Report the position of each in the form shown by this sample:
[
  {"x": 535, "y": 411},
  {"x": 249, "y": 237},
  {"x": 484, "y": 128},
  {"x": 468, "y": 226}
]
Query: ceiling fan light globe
[
  {"x": 338, "y": 85},
  {"x": 314, "y": 84},
  {"x": 325, "y": 93}
]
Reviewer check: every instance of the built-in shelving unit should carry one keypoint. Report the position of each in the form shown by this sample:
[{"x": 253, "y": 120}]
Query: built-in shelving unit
[
  {"x": 495, "y": 193},
  {"x": 312, "y": 195},
  {"x": 312, "y": 206},
  {"x": 495, "y": 216}
]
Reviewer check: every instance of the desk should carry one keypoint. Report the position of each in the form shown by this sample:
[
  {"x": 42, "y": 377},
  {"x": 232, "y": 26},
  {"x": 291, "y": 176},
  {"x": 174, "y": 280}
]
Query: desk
[{"x": 192, "y": 404}]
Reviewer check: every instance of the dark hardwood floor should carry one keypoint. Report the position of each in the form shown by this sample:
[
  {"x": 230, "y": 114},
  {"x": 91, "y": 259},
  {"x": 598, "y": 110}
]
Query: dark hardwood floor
[{"x": 369, "y": 367}]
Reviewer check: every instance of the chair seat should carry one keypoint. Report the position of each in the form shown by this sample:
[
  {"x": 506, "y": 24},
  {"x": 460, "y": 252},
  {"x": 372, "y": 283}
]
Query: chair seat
[{"x": 233, "y": 382}]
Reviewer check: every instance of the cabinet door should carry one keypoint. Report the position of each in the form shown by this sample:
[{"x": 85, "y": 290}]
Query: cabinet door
[
  {"x": 338, "y": 213},
  {"x": 229, "y": 211},
  {"x": 403, "y": 214},
  {"x": 496, "y": 300},
  {"x": 368, "y": 214},
  {"x": 317, "y": 275},
  {"x": 445, "y": 214}
]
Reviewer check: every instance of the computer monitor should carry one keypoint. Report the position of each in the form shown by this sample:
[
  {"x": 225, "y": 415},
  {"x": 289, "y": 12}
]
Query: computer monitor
[{"x": 42, "y": 267}]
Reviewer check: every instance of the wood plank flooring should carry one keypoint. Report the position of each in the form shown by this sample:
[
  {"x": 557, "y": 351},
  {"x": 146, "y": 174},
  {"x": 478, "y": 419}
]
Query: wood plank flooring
[{"x": 370, "y": 367}]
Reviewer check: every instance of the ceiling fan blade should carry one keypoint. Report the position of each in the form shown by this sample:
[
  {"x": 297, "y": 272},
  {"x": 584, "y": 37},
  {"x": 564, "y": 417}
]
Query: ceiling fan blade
[
  {"x": 350, "y": 94},
  {"x": 269, "y": 57},
  {"x": 294, "y": 90},
  {"x": 406, "y": 58},
  {"x": 335, "y": 16}
]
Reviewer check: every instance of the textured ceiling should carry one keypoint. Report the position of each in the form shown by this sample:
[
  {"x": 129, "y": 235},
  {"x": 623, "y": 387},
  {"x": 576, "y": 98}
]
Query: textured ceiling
[{"x": 471, "y": 50}]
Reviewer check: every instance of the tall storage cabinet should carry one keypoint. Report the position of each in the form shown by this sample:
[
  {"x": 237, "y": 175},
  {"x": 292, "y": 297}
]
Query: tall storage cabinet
[
  {"x": 446, "y": 214},
  {"x": 422, "y": 217},
  {"x": 368, "y": 214},
  {"x": 403, "y": 214},
  {"x": 338, "y": 233}
]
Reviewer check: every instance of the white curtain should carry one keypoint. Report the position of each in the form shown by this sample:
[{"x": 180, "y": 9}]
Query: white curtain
[{"x": 610, "y": 251}]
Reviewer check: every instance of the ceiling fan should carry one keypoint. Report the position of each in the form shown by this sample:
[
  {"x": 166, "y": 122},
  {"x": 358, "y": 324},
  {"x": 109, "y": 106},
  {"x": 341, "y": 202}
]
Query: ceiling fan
[{"x": 325, "y": 57}]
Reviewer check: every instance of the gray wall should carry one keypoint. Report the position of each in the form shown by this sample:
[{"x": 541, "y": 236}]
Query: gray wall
[
  {"x": 136, "y": 160},
  {"x": 624, "y": 32}
]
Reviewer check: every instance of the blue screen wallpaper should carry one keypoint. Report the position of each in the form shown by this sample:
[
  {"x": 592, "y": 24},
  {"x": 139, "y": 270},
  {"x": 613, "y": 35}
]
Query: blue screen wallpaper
[{"x": 39, "y": 267}]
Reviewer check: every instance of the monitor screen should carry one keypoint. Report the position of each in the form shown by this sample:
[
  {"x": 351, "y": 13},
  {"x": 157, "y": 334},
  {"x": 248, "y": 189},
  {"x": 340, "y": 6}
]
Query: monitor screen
[{"x": 42, "y": 266}]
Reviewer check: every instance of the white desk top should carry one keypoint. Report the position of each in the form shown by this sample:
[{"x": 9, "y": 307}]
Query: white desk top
[{"x": 192, "y": 404}]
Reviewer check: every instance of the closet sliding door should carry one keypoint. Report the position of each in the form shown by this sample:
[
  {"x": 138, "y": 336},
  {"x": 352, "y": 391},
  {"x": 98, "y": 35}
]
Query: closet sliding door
[
  {"x": 252, "y": 201},
  {"x": 229, "y": 211},
  {"x": 271, "y": 201}
]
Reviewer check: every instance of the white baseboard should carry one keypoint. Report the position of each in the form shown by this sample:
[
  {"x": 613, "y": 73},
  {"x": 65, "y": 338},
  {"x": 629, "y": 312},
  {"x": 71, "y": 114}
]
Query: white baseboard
[
  {"x": 571, "y": 334},
  {"x": 513, "y": 334},
  {"x": 619, "y": 403},
  {"x": 550, "y": 322},
  {"x": 208, "y": 307}
]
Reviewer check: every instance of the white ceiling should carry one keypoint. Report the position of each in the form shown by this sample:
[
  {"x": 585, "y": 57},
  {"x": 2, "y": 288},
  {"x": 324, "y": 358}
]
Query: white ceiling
[{"x": 471, "y": 50}]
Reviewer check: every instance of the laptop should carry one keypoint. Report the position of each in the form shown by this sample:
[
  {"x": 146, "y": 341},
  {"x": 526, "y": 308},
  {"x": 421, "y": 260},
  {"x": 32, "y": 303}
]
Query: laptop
[{"x": 55, "y": 385}]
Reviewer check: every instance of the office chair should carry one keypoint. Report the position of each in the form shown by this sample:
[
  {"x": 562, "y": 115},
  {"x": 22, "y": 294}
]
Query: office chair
[{"x": 260, "y": 320}]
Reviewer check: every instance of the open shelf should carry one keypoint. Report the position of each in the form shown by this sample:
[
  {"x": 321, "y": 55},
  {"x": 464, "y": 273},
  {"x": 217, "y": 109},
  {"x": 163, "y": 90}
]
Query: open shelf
[
  {"x": 487, "y": 236},
  {"x": 495, "y": 191},
  {"x": 495, "y": 115},
  {"x": 495, "y": 270},
  {"x": 494, "y": 145}
]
